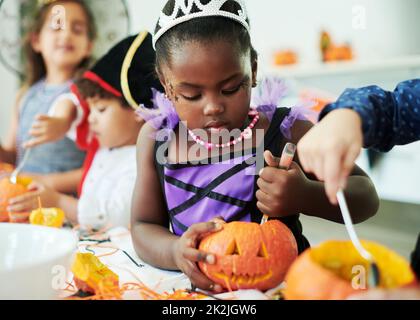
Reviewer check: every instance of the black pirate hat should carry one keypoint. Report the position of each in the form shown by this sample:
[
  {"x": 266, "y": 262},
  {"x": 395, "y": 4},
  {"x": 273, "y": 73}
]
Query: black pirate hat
[{"x": 128, "y": 70}]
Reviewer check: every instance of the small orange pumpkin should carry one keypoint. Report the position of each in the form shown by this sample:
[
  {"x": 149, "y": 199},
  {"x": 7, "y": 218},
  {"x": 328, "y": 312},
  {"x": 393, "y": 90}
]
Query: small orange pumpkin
[
  {"x": 249, "y": 255},
  {"x": 49, "y": 217},
  {"x": 334, "y": 270},
  {"x": 8, "y": 191},
  {"x": 287, "y": 57},
  {"x": 92, "y": 276},
  {"x": 338, "y": 53}
]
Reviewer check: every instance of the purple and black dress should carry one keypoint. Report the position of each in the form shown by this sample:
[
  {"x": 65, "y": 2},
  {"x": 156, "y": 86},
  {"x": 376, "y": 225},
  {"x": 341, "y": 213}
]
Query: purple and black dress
[{"x": 226, "y": 187}]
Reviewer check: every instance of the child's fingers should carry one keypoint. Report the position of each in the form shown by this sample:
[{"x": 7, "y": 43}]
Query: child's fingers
[
  {"x": 318, "y": 167},
  {"x": 42, "y": 117},
  {"x": 34, "y": 142},
  {"x": 264, "y": 185},
  {"x": 31, "y": 143},
  {"x": 263, "y": 197},
  {"x": 332, "y": 169},
  {"x": 337, "y": 168},
  {"x": 294, "y": 166},
  {"x": 27, "y": 197},
  {"x": 263, "y": 208},
  {"x": 37, "y": 132},
  {"x": 28, "y": 205},
  {"x": 37, "y": 125},
  {"x": 304, "y": 155},
  {"x": 33, "y": 187},
  {"x": 270, "y": 159},
  {"x": 21, "y": 207},
  {"x": 40, "y": 123},
  {"x": 350, "y": 159},
  {"x": 268, "y": 173},
  {"x": 195, "y": 231},
  {"x": 219, "y": 219},
  {"x": 308, "y": 153},
  {"x": 198, "y": 256},
  {"x": 36, "y": 186},
  {"x": 200, "y": 280}
]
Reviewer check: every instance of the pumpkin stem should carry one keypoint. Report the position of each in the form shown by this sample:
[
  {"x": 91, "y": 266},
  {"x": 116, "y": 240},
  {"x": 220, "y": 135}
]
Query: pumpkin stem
[{"x": 39, "y": 203}]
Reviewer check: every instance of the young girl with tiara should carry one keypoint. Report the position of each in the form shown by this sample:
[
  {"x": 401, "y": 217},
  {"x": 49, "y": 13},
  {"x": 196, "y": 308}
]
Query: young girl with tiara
[
  {"x": 207, "y": 65},
  {"x": 58, "y": 46}
]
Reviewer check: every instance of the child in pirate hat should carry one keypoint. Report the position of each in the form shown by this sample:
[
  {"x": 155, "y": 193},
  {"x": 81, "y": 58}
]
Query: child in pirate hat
[{"x": 107, "y": 96}]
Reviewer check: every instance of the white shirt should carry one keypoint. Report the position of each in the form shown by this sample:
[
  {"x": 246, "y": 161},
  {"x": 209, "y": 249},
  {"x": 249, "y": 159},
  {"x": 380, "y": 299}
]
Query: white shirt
[{"x": 108, "y": 189}]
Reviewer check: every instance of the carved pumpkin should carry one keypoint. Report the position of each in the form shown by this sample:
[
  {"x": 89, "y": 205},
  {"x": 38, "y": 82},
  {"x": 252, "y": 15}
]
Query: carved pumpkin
[
  {"x": 9, "y": 191},
  {"x": 249, "y": 255},
  {"x": 92, "y": 276},
  {"x": 49, "y": 217},
  {"x": 334, "y": 270}
]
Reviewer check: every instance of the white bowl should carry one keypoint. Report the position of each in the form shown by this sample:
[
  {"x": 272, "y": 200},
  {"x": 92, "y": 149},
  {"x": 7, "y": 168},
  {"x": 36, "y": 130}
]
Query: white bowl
[{"x": 34, "y": 260}]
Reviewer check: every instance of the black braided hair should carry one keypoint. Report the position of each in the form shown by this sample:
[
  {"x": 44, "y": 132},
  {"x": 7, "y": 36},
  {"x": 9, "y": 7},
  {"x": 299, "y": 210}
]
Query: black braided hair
[{"x": 203, "y": 29}]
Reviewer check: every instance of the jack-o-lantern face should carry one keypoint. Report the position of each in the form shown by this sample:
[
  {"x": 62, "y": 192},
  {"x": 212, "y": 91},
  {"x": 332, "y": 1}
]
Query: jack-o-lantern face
[{"x": 249, "y": 255}]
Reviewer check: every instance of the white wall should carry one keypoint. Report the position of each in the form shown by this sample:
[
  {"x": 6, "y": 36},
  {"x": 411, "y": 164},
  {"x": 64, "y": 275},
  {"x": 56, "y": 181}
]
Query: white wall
[
  {"x": 8, "y": 85},
  {"x": 8, "y": 80},
  {"x": 144, "y": 13},
  {"x": 391, "y": 25}
]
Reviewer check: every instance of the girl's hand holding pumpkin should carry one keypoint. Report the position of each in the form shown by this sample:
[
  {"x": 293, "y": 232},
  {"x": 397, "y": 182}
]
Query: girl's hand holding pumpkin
[
  {"x": 280, "y": 191},
  {"x": 29, "y": 201},
  {"x": 186, "y": 255}
]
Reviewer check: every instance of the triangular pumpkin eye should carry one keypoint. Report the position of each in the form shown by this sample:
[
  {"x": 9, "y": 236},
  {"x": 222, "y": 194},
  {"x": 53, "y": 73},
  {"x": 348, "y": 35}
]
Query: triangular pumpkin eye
[
  {"x": 233, "y": 249},
  {"x": 262, "y": 253}
]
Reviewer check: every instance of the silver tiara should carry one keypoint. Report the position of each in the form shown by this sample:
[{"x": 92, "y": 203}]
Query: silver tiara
[{"x": 185, "y": 10}]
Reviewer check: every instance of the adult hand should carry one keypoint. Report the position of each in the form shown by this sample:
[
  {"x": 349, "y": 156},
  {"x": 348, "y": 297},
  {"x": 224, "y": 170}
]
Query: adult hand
[{"x": 330, "y": 149}]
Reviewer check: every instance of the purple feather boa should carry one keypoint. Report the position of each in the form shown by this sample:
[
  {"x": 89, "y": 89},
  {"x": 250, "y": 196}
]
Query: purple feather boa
[
  {"x": 163, "y": 116},
  {"x": 266, "y": 99}
]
